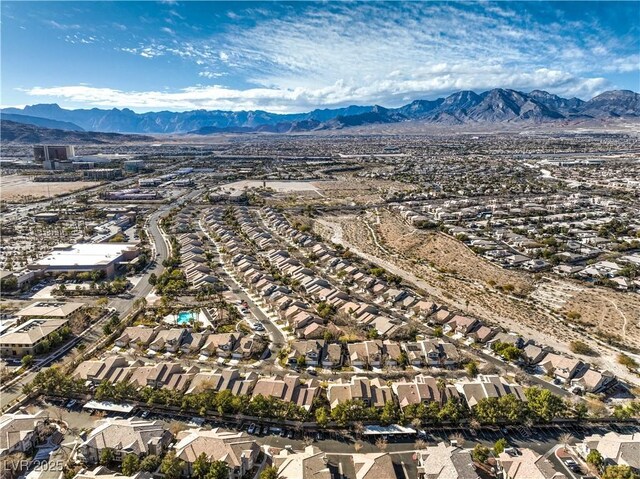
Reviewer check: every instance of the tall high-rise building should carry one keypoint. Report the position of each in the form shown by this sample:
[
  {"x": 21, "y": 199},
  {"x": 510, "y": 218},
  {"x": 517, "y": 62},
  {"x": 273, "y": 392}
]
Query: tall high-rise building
[{"x": 43, "y": 153}]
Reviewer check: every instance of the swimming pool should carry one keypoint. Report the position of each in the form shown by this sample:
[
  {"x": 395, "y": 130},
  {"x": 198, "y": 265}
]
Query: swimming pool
[{"x": 185, "y": 317}]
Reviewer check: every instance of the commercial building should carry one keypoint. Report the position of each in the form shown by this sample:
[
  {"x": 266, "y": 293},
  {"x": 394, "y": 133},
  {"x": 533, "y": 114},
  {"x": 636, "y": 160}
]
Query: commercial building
[
  {"x": 102, "y": 174},
  {"x": 46, "y": 217},
  {"x": 133, "y": 166},
  {"x": 49, "y": 153},
  {"x": 82, "y": 257},
  {"x": 25, "y": 338},
  {"x": 49, "y": 310}
]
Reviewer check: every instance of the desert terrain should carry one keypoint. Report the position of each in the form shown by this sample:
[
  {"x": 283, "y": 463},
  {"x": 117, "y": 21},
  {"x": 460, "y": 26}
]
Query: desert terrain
[
  {"x": 18, "y": 188},
  {"x": 440, "y": 265}
]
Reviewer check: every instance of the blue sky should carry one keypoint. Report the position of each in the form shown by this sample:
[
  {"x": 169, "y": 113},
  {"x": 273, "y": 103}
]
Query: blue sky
[{"x": 290, "y": 57}]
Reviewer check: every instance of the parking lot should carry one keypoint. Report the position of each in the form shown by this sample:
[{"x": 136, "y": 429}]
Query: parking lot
[{"x": 334, "y": 443}]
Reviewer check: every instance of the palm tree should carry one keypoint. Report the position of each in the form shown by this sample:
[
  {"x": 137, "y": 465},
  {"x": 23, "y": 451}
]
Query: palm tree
[
  {"x": 441, "y": 384},
  {"x": 382, "y": 444},
  {"x": 458, "y": 438},
  {"x": 421, "y": 444},
  {"x": 565, "y": 439},
  {"x": 358, "y": 428}
]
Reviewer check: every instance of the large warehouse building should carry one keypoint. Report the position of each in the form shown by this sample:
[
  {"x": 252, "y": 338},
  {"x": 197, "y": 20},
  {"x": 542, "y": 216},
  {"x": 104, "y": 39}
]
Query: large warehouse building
[{"x": 83, "y": 257}]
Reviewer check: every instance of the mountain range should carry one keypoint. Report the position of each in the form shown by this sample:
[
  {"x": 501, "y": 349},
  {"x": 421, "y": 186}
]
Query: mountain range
[
  {"x": 464, "y": 107},
  {"x": 14, "y": 132}
]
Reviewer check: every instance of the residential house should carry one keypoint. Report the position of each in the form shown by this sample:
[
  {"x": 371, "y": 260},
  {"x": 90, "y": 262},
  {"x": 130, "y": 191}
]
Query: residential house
[
  {"x": 223, "y": 380},
  {"x": 221, "y": 344},
  {"x": 484, "y": 387},
  {"x": 19, "y": 432},
  {"x": 332, "y": 356},
  {"x": 168, "y": 340},
  {"x": 461, "y": 324},
  {"x": 373, "y": 465},
  {"x": 445, "y": 462},
  {"x": 525, "y": 464},
  {"x": 310, "y": 464},
  {"x": 592, "y": 381},
  {"x": 373, "y": 392},
  {"x": 125, "y": 436},
  {"x": 136, "y": 336},
  {"x": 422, "y": 389},
  {"x": 365, "y": 354},
  {"x": 236, "y": 449},
  {"x": 288, "y": 389},
  {"x": 561, "y": 367},
  {"x": 615, "y": 448},
  {"x": 310, "y": 350},
  {"x": 113, "y": 369},
  {"x": 533, "y": 354}
]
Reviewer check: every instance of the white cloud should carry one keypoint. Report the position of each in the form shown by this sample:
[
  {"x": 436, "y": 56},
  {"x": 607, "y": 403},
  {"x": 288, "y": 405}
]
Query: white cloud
[
  {"x": 168, "y": 30},
  {"x": 62, "y": 26},
  {"x": 385, "y": 53},
  {"x": 302, "y": 99},
  {"x": 208, "y": 74}
]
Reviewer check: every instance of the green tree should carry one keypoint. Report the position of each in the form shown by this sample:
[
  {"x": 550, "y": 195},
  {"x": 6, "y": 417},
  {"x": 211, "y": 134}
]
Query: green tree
[
  {"x": 27, "y": 361},
  {"x": 438, "y": 332},
  {"x": 201, "y": 466},
  {"x": 619, "y": 472},
  {"x": 130, "y": 464},
  {"x": 581, "y": 411},
  {"x": 543, "y": 405},
  {"x": 218, "y": 470},
  {"x": 106, "y": 456},
  {"x": 269, "y": 473},
  {"x": 595, "y": 459},
  {"x": 480, "y": 454},
  {"x": 390, "y": 413},
  {"x": 500, "y": 445},
  {"x": 472, "y": 369},
  {"x": 322, "y": 417},
  {"x": 301, "y": 361},
  {"x": 171, "y": 466},
  {"x": 150, "y": 463}
]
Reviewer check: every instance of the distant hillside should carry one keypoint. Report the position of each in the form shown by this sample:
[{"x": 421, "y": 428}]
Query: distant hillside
[
  {"x": 39, "y": 121},
  {"x": 12, "y": 132},
  {"x": 497, "y": 106}
]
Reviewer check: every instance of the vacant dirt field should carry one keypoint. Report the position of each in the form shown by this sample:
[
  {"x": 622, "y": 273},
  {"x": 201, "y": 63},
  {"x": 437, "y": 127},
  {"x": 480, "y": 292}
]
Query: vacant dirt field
[
  {"x": 445, "y": 254},
  {"x": 470, "y": 293},
  {"x": 609, "y": 312},
  {"x": 16, "y": 188},
  {"x": 278, "y": 186}
]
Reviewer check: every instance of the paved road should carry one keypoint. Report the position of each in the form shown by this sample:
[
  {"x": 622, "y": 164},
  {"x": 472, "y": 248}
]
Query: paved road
[{"x": 277, "y": 338}]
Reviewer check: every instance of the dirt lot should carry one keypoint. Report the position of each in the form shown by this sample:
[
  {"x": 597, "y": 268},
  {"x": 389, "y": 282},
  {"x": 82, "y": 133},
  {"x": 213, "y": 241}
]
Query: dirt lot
[
  {"x": 445, "y": 254},
  {"x": 468, "y": 289},
  {"x": 17, "y": 188},
  {"x": 279, "y": 186}
]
